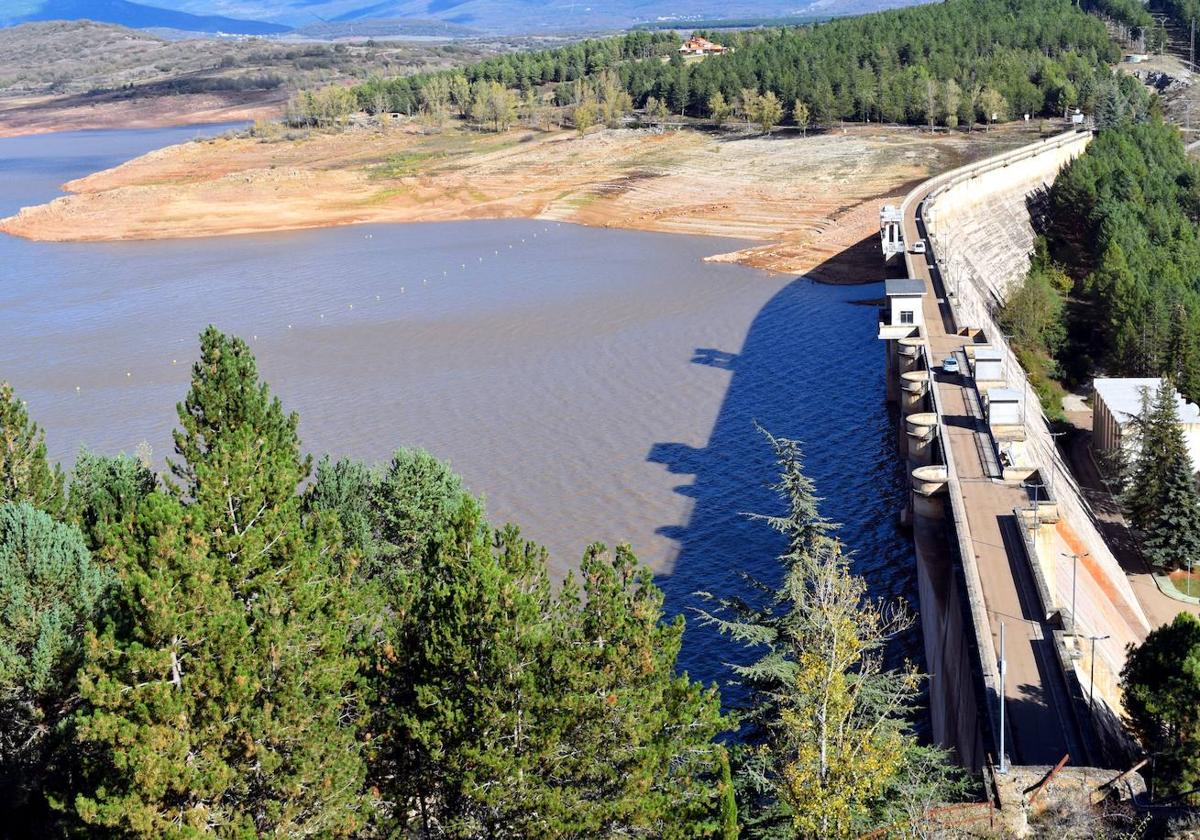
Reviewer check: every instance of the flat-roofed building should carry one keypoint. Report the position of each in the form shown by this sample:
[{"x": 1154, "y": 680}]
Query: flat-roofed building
[
  {"x": 1117, "y": 403},
  {"x": 904, "y": 314}
]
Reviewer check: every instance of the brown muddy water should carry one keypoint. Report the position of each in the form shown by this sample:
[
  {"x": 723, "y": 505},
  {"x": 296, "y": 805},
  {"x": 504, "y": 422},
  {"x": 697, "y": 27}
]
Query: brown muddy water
[{"x": 590, "y": 384}]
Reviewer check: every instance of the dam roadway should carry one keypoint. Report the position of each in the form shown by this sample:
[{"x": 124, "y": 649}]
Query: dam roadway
[{"x": 1041, "y": 725}]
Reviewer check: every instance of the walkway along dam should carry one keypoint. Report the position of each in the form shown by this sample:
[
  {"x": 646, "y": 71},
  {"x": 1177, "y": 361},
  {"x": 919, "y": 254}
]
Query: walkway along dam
[{"x": 1016, "y": 583}]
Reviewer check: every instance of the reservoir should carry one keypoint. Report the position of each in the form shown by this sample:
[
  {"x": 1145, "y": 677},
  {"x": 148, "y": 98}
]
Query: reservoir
[{"x": 591, "y": 384}]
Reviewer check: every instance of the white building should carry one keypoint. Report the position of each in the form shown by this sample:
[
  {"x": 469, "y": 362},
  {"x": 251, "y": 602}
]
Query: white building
[
  {"x": 989, "y": 364},
  {"x": 1117, "y": 402},
  {"x": 904, "y": 312},
  {"x": 1004, "y": 407}
]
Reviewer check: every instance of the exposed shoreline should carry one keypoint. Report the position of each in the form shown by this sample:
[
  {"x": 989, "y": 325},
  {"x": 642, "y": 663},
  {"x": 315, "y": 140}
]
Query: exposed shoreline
[
  {"x": 32, "y": 115},
  {"x": 813, "y": 202}
]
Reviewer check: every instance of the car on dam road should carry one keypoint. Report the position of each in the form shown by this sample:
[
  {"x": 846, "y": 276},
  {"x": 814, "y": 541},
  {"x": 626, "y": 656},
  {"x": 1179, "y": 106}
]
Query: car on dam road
[
  {"x": 918, "y": 247},
  {"x": 950, "y": 365}
]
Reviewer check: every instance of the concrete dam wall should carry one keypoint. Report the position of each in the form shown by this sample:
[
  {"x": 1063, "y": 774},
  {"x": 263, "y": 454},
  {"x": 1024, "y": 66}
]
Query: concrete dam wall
[{"x": 979, "y": 223}]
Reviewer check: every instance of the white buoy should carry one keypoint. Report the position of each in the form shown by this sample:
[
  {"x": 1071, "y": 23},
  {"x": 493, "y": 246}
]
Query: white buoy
[
  {"x": 127, "y": 373},
  {"x": 289, "y": 326},
  {"x": 377, "y": 296},
  {"x": 76, "y": 389},
  {"x": 322, "y": 316},
  {"x": 256, "y": 338},
  {"x": 174, "y": 361}
]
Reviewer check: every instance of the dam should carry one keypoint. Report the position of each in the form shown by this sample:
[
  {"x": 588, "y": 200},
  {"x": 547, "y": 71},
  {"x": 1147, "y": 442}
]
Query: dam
[{"x": 1026, "y": 614}]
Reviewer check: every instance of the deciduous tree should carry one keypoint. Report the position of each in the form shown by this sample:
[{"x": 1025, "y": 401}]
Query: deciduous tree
[
  {"x": 718, "y": 108},
  {"x": 801, "y": 116},
  {"x": 831, "y": 753}
]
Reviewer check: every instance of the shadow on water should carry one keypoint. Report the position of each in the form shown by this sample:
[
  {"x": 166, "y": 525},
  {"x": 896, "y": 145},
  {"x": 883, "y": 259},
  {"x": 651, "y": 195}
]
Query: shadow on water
[{"x": 810, "y": 368}]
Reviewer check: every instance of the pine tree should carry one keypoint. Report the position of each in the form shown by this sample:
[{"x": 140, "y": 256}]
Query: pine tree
[
  {"x": 25, "y": 473},
  {"x": 50, "y": 588},
  {"x": 1173, "y": 535},
  {"x": 1160, "y": 683},
  {"x": 830, "y": 752},
  {"x": 222, "y": 692},
  {"x": 103, "y": 491},
  {"x": 1173, "y": 527},
  {"x": 1155, "y": 425},
  {"x": 1162, "y": 497},
  {"x": 505, "y": 709}
]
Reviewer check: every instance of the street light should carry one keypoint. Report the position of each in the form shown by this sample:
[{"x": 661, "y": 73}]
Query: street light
[
  {"x": 1092, "y": 678},
  {"x": 1037, "y": 521},
  {"x": 1074, "y": 577},
  {"x": 1054, "y": 436},
  {"x": 1003, "y": 669}
]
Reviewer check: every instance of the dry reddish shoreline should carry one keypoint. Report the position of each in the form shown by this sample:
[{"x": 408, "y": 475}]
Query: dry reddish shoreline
[
  {"x": 812, "y": 201},
  {"x": 25, "y": 116}
]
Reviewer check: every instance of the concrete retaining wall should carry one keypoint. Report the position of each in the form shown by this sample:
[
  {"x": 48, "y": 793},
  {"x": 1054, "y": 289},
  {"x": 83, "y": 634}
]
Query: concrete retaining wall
[{"x": 970, "y": 208}]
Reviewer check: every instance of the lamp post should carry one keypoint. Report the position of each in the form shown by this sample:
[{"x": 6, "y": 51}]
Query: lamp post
[
  {"x": 1092, "y": 678},
  {"x": 1037, "y": 521},
  {"x": 1074, "y": 578},
  {"x": 1003, "y": 760},
  {"x": 1054, "y": 436}
]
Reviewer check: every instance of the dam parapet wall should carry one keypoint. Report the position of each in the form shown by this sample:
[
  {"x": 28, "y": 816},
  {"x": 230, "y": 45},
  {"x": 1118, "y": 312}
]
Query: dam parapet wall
[{"x": 982, "y": 235}]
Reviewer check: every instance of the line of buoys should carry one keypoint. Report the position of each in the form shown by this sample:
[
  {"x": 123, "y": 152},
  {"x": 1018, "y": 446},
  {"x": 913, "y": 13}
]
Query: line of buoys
[{"x": 349, "y": 306}]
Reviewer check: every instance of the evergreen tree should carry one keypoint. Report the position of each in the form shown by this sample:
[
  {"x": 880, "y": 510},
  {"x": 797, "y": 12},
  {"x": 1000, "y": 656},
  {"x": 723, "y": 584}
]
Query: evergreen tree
[
  {"x": 25, "y": 473},
  {"x": 49, "y": 590},
  {"x": 103, "y": 491},
  {"x": 345, "y": 489},
  {"x": 221, "y": 694},
  {"x": 1173, "y": 532},
  {"x": 1162, "y": 497},
  {"x": 1161, "y": 694},
  {"x": 505, "y": 710},
  {"x": 830, "y": 752},
  {"x": 415, "y": 499}
]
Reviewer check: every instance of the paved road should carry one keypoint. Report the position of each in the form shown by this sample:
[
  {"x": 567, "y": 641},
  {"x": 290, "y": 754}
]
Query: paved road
[{"x": 1041, "y": 723}]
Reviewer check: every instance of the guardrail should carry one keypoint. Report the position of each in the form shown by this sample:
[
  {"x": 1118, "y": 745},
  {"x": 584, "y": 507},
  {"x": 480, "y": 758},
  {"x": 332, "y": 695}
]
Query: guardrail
[{"x": 980, "y": 622}]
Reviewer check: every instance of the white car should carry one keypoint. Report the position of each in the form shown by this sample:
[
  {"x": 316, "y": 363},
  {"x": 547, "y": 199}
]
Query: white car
[
  {"x": 918, "y": 247},
  {"x": 949, "y": 365}
]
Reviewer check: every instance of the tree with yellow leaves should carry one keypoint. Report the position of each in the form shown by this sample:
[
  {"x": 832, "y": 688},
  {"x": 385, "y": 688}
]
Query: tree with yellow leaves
[{"x": 830, "y": 752}]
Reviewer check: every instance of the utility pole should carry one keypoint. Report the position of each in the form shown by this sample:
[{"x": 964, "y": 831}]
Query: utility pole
[
  {"x": 1074, "y": 579},
  {"x": 1054, "y": 436},
  {"x": 1003, "y": 759},
  {"x": 1193, "y": 46},
  {"x": 1092, "y": 678},
  {"x": 1037, "y": 521}
]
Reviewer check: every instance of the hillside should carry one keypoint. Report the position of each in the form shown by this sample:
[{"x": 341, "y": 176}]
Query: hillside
[
  {"x": 494, "y": 16},
  {"x": 141, "y": 16},
  {"x": 68, "y": 75}
]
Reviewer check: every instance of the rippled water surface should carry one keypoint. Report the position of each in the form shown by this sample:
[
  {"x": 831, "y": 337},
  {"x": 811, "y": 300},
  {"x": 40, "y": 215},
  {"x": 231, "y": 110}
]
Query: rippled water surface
[{"x": 591, "y": 384}]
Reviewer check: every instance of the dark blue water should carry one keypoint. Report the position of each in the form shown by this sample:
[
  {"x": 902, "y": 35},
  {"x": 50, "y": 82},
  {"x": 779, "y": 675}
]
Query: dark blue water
[{"x": 590, "y": 384}]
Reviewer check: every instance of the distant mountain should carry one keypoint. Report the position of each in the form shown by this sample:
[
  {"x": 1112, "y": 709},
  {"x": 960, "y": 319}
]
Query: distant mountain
[
  {"x": 494, "y": 16},
  {"x": 139, "y": 16}
]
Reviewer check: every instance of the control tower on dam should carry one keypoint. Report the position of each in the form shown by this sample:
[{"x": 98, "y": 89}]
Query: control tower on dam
[{"x": 1012, "y": 571}]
